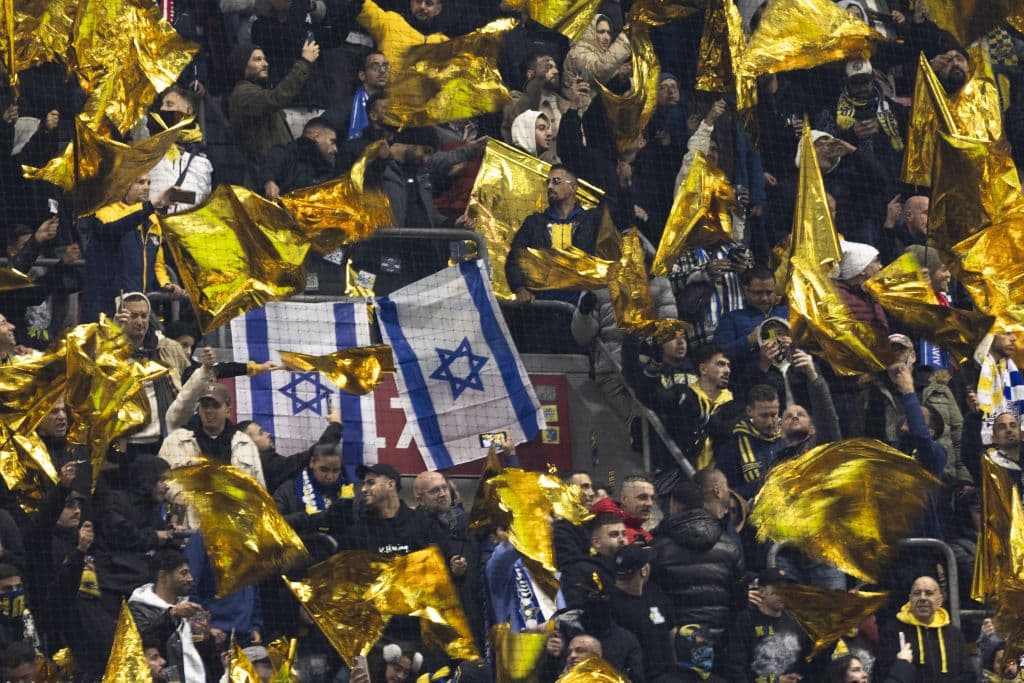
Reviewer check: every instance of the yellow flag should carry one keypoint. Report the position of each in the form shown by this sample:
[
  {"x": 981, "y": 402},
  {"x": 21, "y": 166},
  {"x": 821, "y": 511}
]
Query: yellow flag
[
  {"x": 827, "y": 615},
  {"x": 571, "y": 269},
  {"x": 516, "y": 654},
  {"x": 630, "y": 293},
  {"x": 968, "y": 20},
  {"x": 353, "y": 595},
  {"x": 12, "y": 278},
  {"x": 30, "y": 387},
  {"x": 593, "y": 669},
  {"x": 569, "y": 17},
  {"x": 240, "y": 669},
  {"x": 721, "y": 48},
  {"x": 25, "y": 466},
  {"x": 803, "y": 34},
  {"x": 992, "y": 561},
  {"x": 992, "y": 272},
  {"x": 821, "y": 324},
  {"x": 508, "y": 188},
  {"x": 629, "y": 114},
  {"x": 246, "y": 537},
  {"x": 236, "y": 252},
  {"x": 701, "y": 214},
  {"x": 902, "y": 290},
  {"x": 282, "y": 658},
  {"x": 356, "y": 371},
  {"x": 848, "y": 503},
  {"x": 456, "y": 79},
  {"x": 813, "y": 237},
  {"x": 1010, "y": 595},
  {"x": 661, "y": 12},
  {"x": 127, "y": 662},
  {"x": 41, "y": 31}
]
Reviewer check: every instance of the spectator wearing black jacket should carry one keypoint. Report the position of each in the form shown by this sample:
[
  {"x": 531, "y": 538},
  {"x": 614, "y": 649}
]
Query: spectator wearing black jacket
[
  {"x": 277, "y": 468},
  {"x": 607, "y": 535},
  {"x": 303, "y": 162},
  {"x": 696, "y": 564}
]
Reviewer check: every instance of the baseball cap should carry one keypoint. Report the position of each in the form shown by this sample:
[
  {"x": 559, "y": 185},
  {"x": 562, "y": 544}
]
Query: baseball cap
[
  {"x": 630, "y": 559},
  {"x": 218, "y": 392},
  {"x": 859, "y": 67},
  {"x": 773, "y": 576},
  {"x": 382, "y": 469}
]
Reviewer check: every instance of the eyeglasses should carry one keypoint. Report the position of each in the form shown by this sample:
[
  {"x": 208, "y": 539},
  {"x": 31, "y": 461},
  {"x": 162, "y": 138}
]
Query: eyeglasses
[
  {"x": 558, "y": 181},
  {"x": 437, "y": 491},
  {"x": 379, "y": 66}
]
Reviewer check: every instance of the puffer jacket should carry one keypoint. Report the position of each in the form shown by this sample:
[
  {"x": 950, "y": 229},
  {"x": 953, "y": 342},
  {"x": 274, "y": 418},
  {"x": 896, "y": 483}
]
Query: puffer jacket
[
  {"x": 699, "y": 569},
  {"x": 591, "y": 62}
]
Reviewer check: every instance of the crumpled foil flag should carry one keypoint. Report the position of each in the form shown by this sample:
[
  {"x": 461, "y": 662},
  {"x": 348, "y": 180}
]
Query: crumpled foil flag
[
  {"x": 516, "y": 654},
  {"x": 353, "y": 595},
  {"x": 974, "y": 112},
  {"x": 661, "y": 12},
  {"x": 803, "y": 34},
  {"x": 30, "y": 387},
  {"x": 41, "y": 31},
  {"x": 106, "y": 398},
  {"x": 968, "y": 20},
  {"x": 56, "y": 669},
  {"x": 1010, "y": 596},
  {"x": 821, "y": 324},
  {"x": 235, "y": 252},
  {"x": 510, "y": 186},
  {"x": 827, "y": 615},
  {"x": 527, "y": 502},
  {"x": 569, "y": 17},
  {"x": 282, "y": 653},
  {"x": 630, "y": 293},
  {"x": 813, "y": 237},
  {"x": 356, "y": 370},
  {"x": 593, "y": 669},
  {"x": 571, "y": 269},
  {"x": 629, "y": 114},
  {"x": 721, "y": 48},
  {"x": 25, "y": 466},
  {"x": 12, "y": 278},
  {"x": 992, "y": 271},
  {"x": 847, "y": 503},
  {"x": 906, "y": 295},
  {"x": 127, "y": 662},
  {"x": 993, "y": 556},
  {"x": 246, "y": 537},
  {"x": 240, "y": 669},
  {"x": 341, "y": 211},
  {"x": 701, "y": 214},
  {"x": 456, "y": 79}
]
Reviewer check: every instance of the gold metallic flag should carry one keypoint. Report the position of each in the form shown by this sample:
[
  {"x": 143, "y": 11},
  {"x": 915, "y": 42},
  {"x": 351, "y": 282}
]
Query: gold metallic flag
[
  {"x": 509, "y": 187},
  {"x": 30, "y": 387},
  {"x": 10, "y": 58},
  {"x": 354, "y": 594},
  {"x": 456, "y": 79},
  {"x": 235, "y": 252},
  {"x": 355, "y": 371},
  {"x": 902, "y": 290},
  {"x": 992, "y": 271},
  {"x": 593, "y": 669},
  {"x": 661, "y": 12},
  {"x": 813, "y": 237},
  {"x": 848, "y": 503},
  {"x": 127, "y": 662},
  {"x": 803, "y": 34},
  {"x": 485, "y": 511},
  {"x": 41, "y": 30},
  {"x": 1010, "y": 596},
  {"x": 11, "y": 278},
  {"x": 630, "y": 293},
  {"x": 569, "y": 17},
  {"x": 974, "y": 112},
  {"x": 968, "y": 20},
  {"x": 629, "y": 114},
  {"x": 240, "y": 669},
  {"x": 721, "y": 48},
  {"x": 282, "y": 657},
  {"x": 992, "y": 558},
  {"x": 827, "y": 615},
  {"x": 246, "y": 537},
  {"x": 571, "y": 269},
  {"x": 821, "y": 324},
  {"x": 516, "y": 654},
  {"x": 341, "y": 212},
  {"x": 106, "y": 398},
  {"x": 701, "y": 214},
  {"x": 25, "y": 466}
]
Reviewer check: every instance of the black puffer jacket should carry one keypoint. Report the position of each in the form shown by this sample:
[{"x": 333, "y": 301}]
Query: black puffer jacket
[{"x": 699, "y": 569}]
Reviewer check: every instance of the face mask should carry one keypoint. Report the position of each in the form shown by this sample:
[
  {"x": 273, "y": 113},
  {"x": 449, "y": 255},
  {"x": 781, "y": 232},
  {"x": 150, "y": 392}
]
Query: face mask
[{"x": 12, "y": 603}]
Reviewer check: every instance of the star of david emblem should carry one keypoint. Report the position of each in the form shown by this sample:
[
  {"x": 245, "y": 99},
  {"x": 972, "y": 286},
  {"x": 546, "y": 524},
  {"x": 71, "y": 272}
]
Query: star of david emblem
[
  {"x": 466, "y": 363},
  {"x": 298, "y": 391}
]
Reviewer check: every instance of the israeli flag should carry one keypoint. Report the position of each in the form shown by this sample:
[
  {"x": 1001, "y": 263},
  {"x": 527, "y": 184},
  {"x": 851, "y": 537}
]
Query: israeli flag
[
  {"x": 293, "y": 405},
  {"x": 459, "y": 376}
]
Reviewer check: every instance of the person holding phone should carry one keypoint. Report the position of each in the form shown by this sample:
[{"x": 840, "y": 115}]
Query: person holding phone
[{"x": 186, "y": 167}]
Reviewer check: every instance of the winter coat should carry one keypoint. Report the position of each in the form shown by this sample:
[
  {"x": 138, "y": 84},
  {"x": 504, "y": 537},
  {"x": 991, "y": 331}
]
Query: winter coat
[
  {"x": 193, "y": 162},
  {"x": 588, "y": 61},
  {"x": 536, "y": 232},
  {"x": 699, "y": 568},
  {"x": 297, "y": 164},
  {"x": 393, "y": 33},
  {"x": 362, "y": 529},
  {"x": 940, "y": 653},
  {"x": 256, "y": 112}
]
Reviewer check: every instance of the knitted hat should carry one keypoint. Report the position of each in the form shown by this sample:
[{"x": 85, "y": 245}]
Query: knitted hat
[
  {"x": 856, "y": 257},
  {"x": 928, "y": 257}
]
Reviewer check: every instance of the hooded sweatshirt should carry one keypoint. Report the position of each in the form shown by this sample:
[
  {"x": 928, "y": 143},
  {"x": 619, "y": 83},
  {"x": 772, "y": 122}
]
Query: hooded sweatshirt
[
  {"x": 153, "y": 616},
  {"x": 524, "y": 131},
  {"x": 939, "y": 651}
]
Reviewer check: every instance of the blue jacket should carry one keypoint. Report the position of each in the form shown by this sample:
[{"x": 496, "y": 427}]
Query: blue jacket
[
  {"x": 930, "y": 454},
  {"x": 239, "y": 611},
  {"x": 734, "y": 326},
  {"x": 746, "y": 458}
]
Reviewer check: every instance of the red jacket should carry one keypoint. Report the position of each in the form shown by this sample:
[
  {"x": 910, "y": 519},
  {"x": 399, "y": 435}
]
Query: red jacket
[{"x": 635, "y": 532}]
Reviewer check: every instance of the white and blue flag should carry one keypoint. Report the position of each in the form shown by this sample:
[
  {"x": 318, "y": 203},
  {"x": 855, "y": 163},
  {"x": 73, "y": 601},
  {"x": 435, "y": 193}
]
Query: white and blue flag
[
  {"x": 293, "y": 405},
  {"x": 459, "y": 375}
]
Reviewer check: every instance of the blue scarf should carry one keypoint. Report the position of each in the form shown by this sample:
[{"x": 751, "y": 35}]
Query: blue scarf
[{"x": 314, "y": 495}]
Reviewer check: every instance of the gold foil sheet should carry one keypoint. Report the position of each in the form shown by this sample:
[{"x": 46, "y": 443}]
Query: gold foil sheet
[
  {"x": 235, "y": 252},
  {"x": 240, "y": 669},
  {"x": 509, "y": 187},
  {"x": 968, "y": 20},
  {"x": 353, "y": 595},
  {"x": 12, "y": 278},
  {"x": 701, "y": 214},
  {"x": 721, "y": 47},
  {"x": 992, "y": 560},
  {"x": 282, "y": 658},
  {"x": 569, "y": 17},
  {"x": 906, "y": 295},
  {"x": 25, "y": 466},
  {"x": 127, "y": 662},
  {"x": 827, "y": 615},
  {"x": 355, "y": 371},
  {"x": 991, "y": 270},
  {"x": 631, "y": 295},
  {"x": 629, "y": 114},
  {"x": 571, "y": 269},
  {"x": 41, "y": 30},
  {"x": 803, "y": 34},
  {"x": 592, "y": 670},
  {"x": 661, "y": 12},
  {"x": 847, "y": 503},
  {"x": 30, "y": 387},
  {"x": 456, "y": 79},
  {"x": 516, "y": 654},
  {"x": 246, "y": 537}
]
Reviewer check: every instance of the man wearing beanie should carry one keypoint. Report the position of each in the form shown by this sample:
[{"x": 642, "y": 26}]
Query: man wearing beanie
[{"x": 859, "y": 262}]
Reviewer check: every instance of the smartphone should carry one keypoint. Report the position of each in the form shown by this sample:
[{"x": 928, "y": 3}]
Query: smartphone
[
  {"x": 54, "y": 207},
  {"x": 359, "y": 662},
  {"x": 495, "y": 439},
  {"x": 310, "y": 38},
  {"x": 182, "y": 196}
]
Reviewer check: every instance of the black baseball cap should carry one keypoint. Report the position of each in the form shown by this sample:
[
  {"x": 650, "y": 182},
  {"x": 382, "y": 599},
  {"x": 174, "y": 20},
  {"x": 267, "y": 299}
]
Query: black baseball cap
[
  {"x": 382, "y": 469},
  {"x": 630, "y": 558},
  {"x": 774, "y": 575}
]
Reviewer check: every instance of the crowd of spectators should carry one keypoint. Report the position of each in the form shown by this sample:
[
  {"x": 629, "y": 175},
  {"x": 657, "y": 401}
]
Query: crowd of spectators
[{"x": 668, "y": 582}]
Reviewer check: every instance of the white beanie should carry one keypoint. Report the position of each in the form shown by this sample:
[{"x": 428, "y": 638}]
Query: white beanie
[
  {"x": 856, "y": 257},
  {"x": 815, "y": 136}
]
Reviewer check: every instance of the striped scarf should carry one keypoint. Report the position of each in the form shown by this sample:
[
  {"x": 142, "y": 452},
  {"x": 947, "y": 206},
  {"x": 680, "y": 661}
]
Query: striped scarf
[
  {"x": 1000, "y": 390},
  {"x": 846, "y": 116}
]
